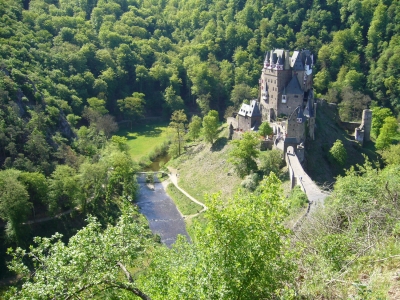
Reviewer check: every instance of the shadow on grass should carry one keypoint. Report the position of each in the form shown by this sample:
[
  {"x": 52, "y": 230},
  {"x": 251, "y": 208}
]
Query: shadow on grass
[
  {"x": 151, "y": 132},
  {"x": 283, "y": 176},
  {"x": 130, "y": 137},
  {"x": 220, "y": 130},
  {"x": 146, "y": 130},
  {"x": 219, "y": 144}
]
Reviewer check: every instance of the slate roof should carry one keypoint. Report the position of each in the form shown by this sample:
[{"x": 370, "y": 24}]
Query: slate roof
[
  {"x": 309, "y": 109},
  {"x": 250, "y": 110},
  {"x": 294, "y": 58},
  {"x": 290, "y": 140},
  {"x": 296, "y": 61},
  {"x": 297, "y": 114},
  {"x": 308, "y": 61},
  {"x": 300, "y": 114},
  {"x": 294, "y": 86}
]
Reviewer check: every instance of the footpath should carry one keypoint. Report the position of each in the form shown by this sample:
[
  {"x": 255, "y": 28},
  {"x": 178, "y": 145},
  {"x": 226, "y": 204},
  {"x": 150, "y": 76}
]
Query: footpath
[{"x": 173, "y": 178}]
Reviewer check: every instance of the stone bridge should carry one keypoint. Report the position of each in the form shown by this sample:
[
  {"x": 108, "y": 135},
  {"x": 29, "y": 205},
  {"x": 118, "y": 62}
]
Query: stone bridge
[
  {"x": 299, "y": 177},
  {"x": 141, "y": 176}
]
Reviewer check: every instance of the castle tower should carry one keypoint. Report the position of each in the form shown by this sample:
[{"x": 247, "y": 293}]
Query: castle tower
[
  {"x": 366, "y": 123},
  {"x": 285, "y": 82}
]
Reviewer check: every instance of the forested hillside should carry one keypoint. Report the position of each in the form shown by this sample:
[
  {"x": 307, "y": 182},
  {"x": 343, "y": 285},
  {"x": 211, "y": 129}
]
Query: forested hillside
[
  {"x": 69, "y": 63},
  {"x": 70, "y": 70},
  {"x": 126, "y": 59}
]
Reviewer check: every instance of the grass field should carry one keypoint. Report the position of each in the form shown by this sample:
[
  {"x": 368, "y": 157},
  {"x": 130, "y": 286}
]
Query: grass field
[
  {"x": 143, "y": 138},
  {"x": 184, "y": 204},
  {"x": 204, "y": 169}
]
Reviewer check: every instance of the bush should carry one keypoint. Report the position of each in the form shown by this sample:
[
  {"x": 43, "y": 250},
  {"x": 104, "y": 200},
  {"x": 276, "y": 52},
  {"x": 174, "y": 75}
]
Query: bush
[
  {"x": 144, "y": 161},
  {"x": 270, "y": 161},
  {"x": 297, "y": 198},
  {"x": 338, "y": 154},
  {"x": 250, "y": 182}
]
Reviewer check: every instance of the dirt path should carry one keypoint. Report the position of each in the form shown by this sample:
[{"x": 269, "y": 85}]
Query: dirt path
[{"x": 173, "y": 178}]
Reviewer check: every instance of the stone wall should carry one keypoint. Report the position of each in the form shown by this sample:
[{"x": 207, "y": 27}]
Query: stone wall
[
  {"x": 266, "y": 145},
  {"x": 244, "y": 123},
  {"x": 349, "y": 126},
  {"x": 232, "y": 120}
]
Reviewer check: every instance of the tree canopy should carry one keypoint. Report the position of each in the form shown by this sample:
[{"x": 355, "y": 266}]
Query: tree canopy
[
  {"x": 210, "y": 126},
  {"x": 245, "y": 153}
]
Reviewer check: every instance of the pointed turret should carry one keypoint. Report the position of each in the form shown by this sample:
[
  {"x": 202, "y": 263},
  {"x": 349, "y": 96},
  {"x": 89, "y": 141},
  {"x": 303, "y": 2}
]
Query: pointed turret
[
  {"x": 267, "y": 59},
  {"x": 279, "y": 63},
  {"x": 287, "y": 60},
  {"x": 309, "y": 109}
]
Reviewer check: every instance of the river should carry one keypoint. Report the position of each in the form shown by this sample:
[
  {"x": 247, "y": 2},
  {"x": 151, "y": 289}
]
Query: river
[{"x": 161, "y": 212}]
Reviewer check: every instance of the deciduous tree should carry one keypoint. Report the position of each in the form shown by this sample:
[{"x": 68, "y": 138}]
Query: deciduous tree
[
  {"x": 132, "y": 107},
  {"x": 210, "y": 126},
  {"x": 270, "y": 161},
  {"x": 265, "y": 129},
  {"x": 245, "y": 153},
  {"x": 94, "y": 262},
  {"x": 195, "y": 127},
  {"x": 242, "y": 252},
  {"x": 338, "y": 153},
  {"x": 379, "y": 114},
  {"x": 387, "y": 132},
  {"x": 14, "y": 204},
  {"x": 391, "y": 155},
  {"x": 178, "y": 120}
]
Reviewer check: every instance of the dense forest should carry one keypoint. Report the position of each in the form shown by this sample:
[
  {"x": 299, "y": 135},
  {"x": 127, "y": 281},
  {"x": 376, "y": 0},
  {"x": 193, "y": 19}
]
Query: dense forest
[
  {"x": 71, "y": 70},
  {"x": 68, "y": 64}
]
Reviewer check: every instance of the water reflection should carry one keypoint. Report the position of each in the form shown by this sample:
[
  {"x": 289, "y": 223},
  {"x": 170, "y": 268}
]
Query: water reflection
[{"x": 155, "y": 165}]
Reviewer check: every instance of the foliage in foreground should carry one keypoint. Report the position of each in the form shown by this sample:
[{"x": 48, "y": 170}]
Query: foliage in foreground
[
  {"x": 242, "y": 253},
  {"x": 94, "y": 262},
  {"x": 345, "y": 244}
]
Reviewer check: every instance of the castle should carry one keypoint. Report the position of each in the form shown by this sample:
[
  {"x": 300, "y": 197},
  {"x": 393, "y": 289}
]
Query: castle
[{"x": 286, "y": 98}]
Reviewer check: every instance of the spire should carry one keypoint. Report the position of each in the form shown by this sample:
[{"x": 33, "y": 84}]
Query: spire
[{"x": 267, "y": 59}]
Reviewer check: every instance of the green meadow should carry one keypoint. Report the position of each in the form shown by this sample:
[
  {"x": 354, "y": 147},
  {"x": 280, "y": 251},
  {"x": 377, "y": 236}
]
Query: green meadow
[{"x": 143, "y": 138}]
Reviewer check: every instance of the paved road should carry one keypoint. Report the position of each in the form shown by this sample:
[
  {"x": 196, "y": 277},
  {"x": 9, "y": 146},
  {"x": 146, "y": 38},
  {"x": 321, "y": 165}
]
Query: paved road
[{"x": 314, "y": 194}]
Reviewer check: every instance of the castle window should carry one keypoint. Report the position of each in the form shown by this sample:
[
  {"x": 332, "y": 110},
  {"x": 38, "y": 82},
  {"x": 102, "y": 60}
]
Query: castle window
[
  {"x": 296, "y": 96},
  {"x": 283, "y": 98},
  {"x": 299, "y": 120}
]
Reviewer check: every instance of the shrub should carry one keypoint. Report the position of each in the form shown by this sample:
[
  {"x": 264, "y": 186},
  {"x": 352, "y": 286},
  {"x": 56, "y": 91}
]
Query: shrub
[
  {"x": 338, "y": 154},
  {"x": 297, "y": 198}
]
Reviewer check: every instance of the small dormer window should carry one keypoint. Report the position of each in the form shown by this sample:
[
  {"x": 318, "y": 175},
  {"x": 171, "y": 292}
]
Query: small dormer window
[{"x": 283, "y": 98}]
